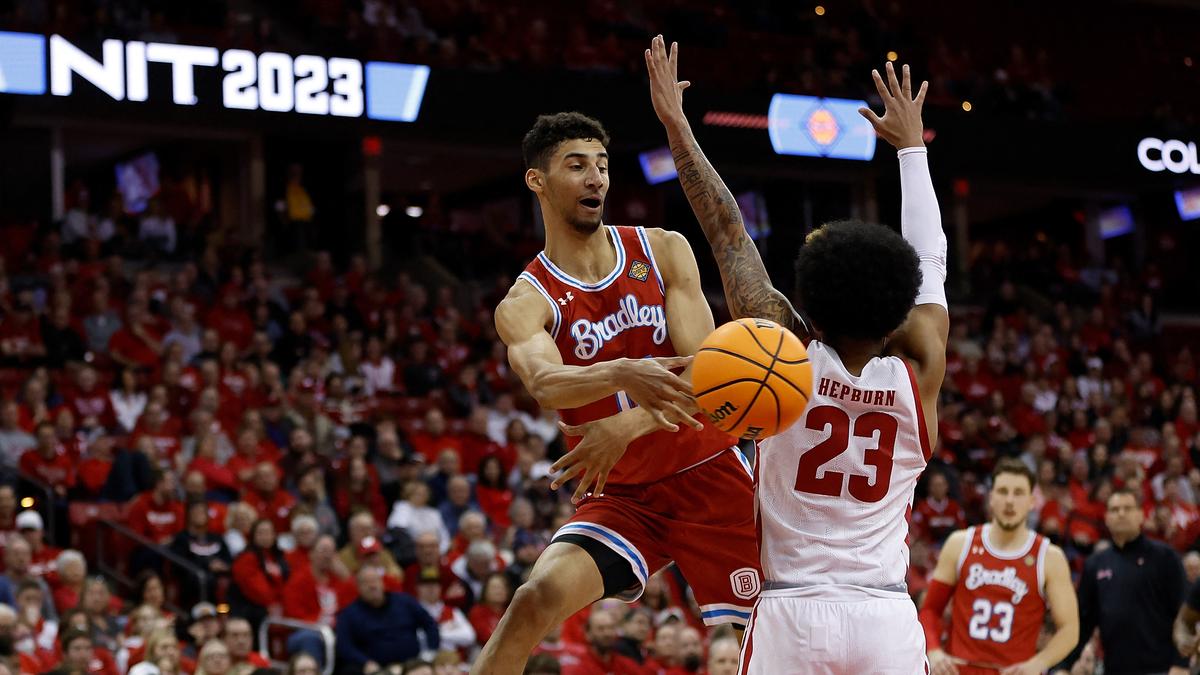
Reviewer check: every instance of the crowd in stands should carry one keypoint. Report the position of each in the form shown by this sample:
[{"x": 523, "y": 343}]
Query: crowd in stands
[
  {"x": 344, "y": 450},
  {"x": 352, "y": 452}
]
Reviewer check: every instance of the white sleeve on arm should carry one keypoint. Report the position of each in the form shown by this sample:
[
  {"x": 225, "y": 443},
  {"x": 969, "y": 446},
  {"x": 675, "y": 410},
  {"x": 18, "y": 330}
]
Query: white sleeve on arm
[{"x": 921, "y": 224}]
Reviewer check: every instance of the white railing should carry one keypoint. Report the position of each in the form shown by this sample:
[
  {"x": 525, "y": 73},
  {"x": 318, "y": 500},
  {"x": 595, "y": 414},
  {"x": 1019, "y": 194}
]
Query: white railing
[{"x": 326, "y": 633}]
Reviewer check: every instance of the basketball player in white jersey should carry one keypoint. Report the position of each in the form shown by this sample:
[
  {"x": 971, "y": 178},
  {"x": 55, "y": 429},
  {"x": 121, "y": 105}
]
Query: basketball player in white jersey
[{"x": 834, "y": 490}]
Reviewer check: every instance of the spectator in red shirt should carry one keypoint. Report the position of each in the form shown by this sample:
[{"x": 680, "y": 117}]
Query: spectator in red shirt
[
  {"x": 230, "y": 321},
  {"x": 74, "y": 443},
  {"x": 486, "y": 613},
  {"x": 89, "y": 399},
  {"x": 665, "y": 650},
  {"x": 492, "y": 492},
  {"x": 77, "y": 652},
  {"x": 316, "y": 591},
  {"x": 138, "y": 343},
  {"x": 723, "y": 655},
  {"x": 72, "y": 571},
  {"x": 936, "y": 516},
  {"x": 207, "y": 465},
  {"x": 239, "y": 637},
  {"x": 163, "y": 431},
  {"x": 477, "y": 444},
  {"x": 43, "y": 557},
  {"x": 259, "y": 575},
  {"x": 357, "y": 492},
  {"x": 600, "y": 658},
  {"x": 435, "y": 438},
  {"x": 268, "y": 498},
  {"x": 157, "y": 514},
  {"x": 21, "y": 334},
  {"x": 243, "y": 464},
  {"x": 559, "y": 651},
  {"x": 47, "y": 463}
]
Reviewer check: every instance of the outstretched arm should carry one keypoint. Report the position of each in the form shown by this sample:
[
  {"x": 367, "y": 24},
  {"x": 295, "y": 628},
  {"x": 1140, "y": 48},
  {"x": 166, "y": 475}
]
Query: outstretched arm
[
  {"x": 922, "y": 337},
  {"x": 747, "y": 285},
  {"x": 933, "y": 609}
]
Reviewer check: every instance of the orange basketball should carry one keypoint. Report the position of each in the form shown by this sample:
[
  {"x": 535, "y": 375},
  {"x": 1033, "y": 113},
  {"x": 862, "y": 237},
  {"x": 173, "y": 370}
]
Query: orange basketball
[{"x": 752, "y": 378}]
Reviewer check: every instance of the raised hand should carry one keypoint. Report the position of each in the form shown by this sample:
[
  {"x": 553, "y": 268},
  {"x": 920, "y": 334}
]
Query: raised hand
[
  {"x": 666, "y": 91},
  {"x": 901, "y": 123}
]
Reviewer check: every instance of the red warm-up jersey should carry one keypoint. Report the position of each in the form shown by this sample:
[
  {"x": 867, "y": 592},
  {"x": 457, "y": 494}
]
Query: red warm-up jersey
[
  {"x": 999, "y": 602},
  {"x": 621, "y": 316}
]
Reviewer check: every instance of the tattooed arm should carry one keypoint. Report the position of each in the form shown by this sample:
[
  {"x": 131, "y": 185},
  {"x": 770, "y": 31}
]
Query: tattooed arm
[{"x": 747, "y": 285}]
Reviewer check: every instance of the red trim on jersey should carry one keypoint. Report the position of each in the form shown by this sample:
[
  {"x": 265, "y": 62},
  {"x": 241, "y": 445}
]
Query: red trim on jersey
[{"x": 921, "y": 427}]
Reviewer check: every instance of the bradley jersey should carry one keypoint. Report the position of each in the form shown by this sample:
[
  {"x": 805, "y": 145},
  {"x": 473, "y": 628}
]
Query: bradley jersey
[
  {"x": 999, "y": 602},
  {"x": 621, "y": 316},
  {"x": 836, "y": 488}
]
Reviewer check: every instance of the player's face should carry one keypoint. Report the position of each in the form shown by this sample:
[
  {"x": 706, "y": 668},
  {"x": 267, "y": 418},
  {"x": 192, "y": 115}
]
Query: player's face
[
  {"x": 576, "y": 183},
  {"x": 1011, "y": 501}
]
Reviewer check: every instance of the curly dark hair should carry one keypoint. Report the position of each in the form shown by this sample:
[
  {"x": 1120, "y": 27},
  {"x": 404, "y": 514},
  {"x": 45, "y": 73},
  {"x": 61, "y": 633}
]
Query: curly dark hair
[
  {"x": 856, "y": 280},
  {"x": 550, "y": 131}
]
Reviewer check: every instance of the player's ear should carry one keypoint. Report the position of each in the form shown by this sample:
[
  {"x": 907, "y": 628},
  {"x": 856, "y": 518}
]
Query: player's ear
[{"x": 535, "y": 180}]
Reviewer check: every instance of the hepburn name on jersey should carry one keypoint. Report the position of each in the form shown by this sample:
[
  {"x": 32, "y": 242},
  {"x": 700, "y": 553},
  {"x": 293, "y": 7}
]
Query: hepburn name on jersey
[
  {"x": 840, "y": 390},
  {"x": 590, "y": 336},
  {"x": 979, "y": 575}
]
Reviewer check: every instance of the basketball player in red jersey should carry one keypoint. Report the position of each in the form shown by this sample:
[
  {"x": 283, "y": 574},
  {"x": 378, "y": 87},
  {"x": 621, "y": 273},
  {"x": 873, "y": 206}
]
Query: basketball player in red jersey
[
  {"x": 1003, "y": 577},
  {"x": 835, "y": 488},
  {"x": 579, "y": 323}
]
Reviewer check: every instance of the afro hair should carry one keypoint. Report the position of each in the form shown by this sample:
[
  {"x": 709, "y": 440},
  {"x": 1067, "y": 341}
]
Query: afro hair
[{"x": 856, "y": 280}]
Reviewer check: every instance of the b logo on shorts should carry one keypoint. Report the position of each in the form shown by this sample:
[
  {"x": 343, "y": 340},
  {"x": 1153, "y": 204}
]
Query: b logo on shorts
[{"x": 745, "y": 583}]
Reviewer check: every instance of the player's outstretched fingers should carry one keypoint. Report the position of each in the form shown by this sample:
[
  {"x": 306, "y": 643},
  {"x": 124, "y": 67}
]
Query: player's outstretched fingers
[
  {"x": 584, "y": 486},
  {"x": 601, "y": 480},
  {"x": 906, "y": 83},
  {"x": 571, "y": 430},
  {"x": 920, "y": 101},
  {"x": 871, "y": 117},
  {"x": 661, "y": 420},
  {"x": 674, "y": 362},
  {"x": 880, "y": 87},
  {"x": 894, "y": 84},
  {"x": 680, "y": 415},
  {"x": 571, "y": 469}
]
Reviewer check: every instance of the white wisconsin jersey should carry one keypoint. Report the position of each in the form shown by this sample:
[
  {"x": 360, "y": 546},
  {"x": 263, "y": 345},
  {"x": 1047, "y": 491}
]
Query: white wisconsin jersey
[{"x": 835, "y": 489}]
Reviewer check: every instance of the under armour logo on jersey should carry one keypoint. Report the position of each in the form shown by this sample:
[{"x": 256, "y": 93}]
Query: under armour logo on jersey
[
  {"x": 1104, "y": 574},
  {"x": 569, "y": 298}
]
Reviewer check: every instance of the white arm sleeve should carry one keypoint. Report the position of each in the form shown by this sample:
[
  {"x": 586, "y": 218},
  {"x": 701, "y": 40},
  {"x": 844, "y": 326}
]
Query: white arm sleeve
[{"x": 921, "y": 224}]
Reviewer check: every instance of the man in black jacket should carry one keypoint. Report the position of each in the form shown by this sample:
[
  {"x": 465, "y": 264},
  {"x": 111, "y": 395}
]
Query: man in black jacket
[{"x": 1132, "y": 591}]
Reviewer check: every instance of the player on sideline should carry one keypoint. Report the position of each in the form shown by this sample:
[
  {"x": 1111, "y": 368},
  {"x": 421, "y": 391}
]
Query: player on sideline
[
  {"x": 579, "y": 322},
  {"x": 1002, "y": 576},
  {"x": 834, "y": 489}
]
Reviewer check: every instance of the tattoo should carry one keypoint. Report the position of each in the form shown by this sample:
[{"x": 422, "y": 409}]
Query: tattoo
[{"x": 748, "y": 288}]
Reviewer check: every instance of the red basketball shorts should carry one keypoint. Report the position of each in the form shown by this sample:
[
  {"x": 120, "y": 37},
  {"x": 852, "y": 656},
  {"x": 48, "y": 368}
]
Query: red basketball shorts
[{"x": 701, "y": 518}]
